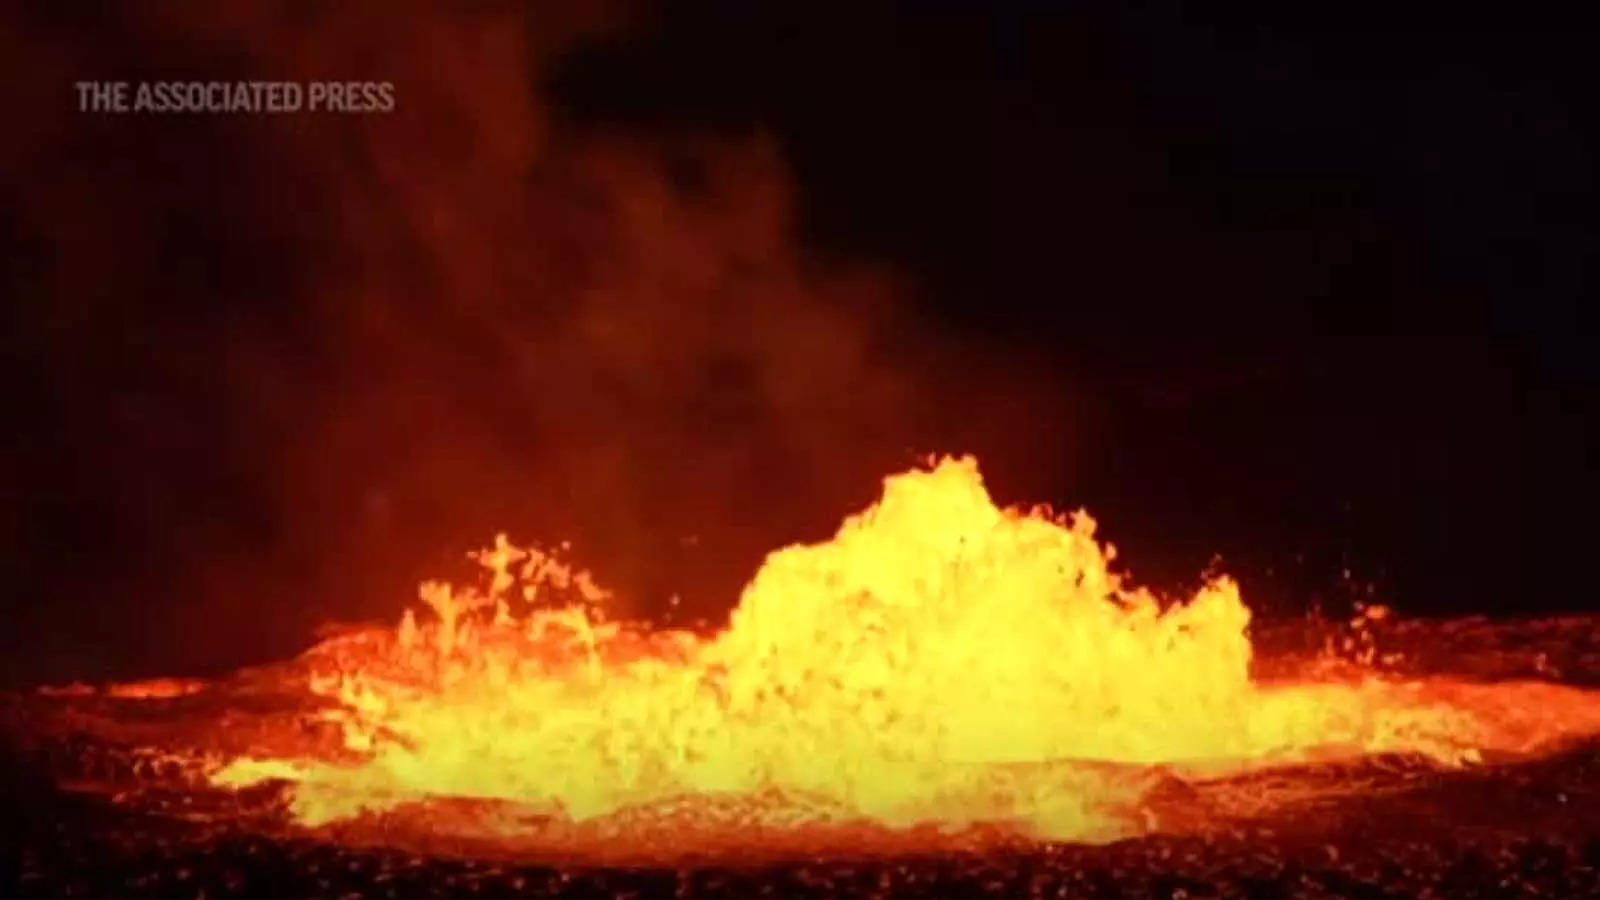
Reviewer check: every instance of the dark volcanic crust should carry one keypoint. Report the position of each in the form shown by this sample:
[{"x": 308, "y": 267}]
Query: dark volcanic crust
[
  {"x": 1525, "y": 829},
  {"x": 1531, "y": 829}
]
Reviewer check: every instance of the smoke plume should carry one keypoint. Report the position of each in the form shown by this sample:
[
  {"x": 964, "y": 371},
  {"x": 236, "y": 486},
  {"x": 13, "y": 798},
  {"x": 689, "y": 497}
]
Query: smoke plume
[{"x": 276, "y": 369}]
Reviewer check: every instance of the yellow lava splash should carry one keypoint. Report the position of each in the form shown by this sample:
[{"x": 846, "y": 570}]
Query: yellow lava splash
[{"x": 940, "y": 660}]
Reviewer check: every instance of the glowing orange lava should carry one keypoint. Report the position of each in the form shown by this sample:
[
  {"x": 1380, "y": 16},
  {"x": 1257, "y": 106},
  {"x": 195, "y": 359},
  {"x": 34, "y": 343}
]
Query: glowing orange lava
[{"x": 939, "y": 661}]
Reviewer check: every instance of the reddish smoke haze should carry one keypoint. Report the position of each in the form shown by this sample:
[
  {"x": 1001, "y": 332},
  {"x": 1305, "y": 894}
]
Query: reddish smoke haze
[{"x": 382, "y": 338}]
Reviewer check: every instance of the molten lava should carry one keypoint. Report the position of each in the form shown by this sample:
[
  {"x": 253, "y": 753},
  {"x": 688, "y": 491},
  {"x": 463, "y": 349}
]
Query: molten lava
[{"x": 940, "y": 662}]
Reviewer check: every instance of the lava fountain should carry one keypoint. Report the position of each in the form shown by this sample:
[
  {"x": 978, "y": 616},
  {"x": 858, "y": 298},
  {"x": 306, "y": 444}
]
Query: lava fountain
[
  {"x": 940, "y": 665},
  {"x": 940, "y": 660}
]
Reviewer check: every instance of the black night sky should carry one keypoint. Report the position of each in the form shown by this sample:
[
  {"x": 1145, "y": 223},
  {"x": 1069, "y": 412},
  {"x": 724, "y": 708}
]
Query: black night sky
[{"x": 1306, "y": 294}]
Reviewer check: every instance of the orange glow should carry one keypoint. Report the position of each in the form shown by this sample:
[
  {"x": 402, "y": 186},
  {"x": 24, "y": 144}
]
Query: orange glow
[
  {"x": 940, "y": 661},
  {"x": 155, "y": 689}
]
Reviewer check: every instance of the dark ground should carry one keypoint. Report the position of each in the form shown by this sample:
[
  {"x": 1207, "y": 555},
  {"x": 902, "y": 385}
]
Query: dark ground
[
  {"x": 1526, "y": 831},
  {"x": 1510, "y": 829}
]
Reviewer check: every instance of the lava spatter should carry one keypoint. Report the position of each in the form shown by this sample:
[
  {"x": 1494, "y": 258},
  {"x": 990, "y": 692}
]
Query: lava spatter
[{"x": 940, "y": 663}]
